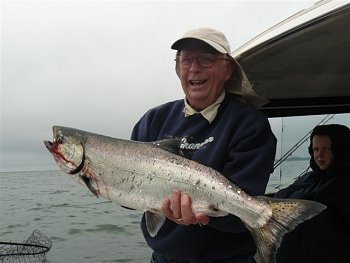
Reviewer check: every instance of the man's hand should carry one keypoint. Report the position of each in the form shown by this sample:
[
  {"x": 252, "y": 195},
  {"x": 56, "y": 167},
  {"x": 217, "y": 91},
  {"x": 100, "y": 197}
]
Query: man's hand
[{"x": 179, "y": 210}]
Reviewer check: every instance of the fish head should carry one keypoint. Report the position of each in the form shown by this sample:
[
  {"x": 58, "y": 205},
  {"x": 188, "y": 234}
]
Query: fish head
[{"x": 67, "y": 149}]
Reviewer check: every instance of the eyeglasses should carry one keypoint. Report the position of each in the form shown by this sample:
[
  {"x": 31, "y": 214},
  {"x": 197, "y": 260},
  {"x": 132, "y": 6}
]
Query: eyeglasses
[{"x": 204, "y": 60}]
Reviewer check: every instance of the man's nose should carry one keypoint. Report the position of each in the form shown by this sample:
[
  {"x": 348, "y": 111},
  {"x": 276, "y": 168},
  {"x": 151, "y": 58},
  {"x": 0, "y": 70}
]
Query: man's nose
[{"x": 195, "y": 65}]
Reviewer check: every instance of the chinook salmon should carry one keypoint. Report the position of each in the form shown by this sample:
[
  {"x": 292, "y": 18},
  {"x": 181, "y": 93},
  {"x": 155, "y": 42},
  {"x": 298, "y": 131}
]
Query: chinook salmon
[{"x": 139, "y": 175}]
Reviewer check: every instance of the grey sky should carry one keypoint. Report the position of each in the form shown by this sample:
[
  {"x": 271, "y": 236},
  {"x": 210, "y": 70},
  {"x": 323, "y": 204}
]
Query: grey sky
[{"x": 99, "y": 65}]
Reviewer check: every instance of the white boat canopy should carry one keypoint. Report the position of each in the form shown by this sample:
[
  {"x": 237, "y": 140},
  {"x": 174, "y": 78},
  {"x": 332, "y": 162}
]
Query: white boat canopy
[{"x": 302, "y": 65}]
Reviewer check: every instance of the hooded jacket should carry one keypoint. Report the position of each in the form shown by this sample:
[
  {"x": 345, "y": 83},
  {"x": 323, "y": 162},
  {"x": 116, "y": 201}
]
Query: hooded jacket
[{"x": 326, "y": 237}]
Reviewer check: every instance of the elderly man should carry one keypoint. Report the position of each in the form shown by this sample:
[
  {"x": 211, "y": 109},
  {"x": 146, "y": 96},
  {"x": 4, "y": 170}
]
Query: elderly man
[{"x": 220, "y": 127}]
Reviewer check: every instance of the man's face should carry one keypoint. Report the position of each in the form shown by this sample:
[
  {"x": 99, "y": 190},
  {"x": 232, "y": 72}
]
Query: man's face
[
  {"x": 202, "y": 84},
  {"x": 322, "y": 151}
]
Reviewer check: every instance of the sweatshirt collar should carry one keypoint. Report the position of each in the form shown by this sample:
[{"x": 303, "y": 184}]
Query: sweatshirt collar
[{"x": 208, "y": 113}]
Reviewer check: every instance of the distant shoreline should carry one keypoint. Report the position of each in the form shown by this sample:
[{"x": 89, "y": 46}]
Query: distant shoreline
[{"x": 296, "y": 158}]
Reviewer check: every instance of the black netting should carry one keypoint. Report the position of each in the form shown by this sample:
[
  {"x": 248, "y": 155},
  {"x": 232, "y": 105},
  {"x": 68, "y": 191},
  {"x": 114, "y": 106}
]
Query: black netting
[{"x": 33, "y": 249}]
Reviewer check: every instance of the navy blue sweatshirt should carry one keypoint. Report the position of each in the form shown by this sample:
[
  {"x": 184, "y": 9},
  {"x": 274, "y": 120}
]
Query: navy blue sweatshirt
[{"x": 239, "y": 143}]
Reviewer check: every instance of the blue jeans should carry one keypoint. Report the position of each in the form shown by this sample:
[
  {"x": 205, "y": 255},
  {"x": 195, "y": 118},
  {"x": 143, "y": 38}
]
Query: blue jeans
[{"x": 157, "y": 258}]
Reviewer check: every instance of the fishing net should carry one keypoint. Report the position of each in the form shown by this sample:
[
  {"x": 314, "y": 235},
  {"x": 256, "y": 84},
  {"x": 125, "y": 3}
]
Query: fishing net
[{"x": 33, "y": 249}]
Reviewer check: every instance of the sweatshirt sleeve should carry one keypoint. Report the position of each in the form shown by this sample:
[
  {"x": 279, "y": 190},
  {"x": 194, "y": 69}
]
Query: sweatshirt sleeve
[
  {"x": 251, "y": 155},
  {"x": 142, "y": 129},
  {"x": 138, "y": 132}
]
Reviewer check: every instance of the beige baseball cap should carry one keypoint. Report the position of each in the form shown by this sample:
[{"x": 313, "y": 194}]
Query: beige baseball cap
[
  {"x": 212, "y": 37},
  {"x": 238, "y": 83}
]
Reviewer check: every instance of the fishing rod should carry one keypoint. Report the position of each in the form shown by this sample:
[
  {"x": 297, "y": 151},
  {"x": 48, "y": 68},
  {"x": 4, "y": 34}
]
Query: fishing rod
[{"x": 278, "y": 187}]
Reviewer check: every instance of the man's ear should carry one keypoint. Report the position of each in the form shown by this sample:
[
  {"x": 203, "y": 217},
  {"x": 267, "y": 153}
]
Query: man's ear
[{"x": 177, "y": 70}]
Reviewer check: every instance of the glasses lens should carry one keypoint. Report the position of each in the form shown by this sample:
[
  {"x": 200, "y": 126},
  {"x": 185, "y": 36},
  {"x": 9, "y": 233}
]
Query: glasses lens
[
  {"x": 206, "y": 60},
  {"x": 184, "y": 61}
]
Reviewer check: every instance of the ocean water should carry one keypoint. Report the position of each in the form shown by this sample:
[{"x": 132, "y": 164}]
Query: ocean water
[
  {"x": 286, "y": 173},
  {"x": 82, "y": 228}
]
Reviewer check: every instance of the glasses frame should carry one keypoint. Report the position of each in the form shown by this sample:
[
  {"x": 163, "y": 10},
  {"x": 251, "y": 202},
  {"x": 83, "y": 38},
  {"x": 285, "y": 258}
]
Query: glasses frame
[{"x": 215, "y": 59}]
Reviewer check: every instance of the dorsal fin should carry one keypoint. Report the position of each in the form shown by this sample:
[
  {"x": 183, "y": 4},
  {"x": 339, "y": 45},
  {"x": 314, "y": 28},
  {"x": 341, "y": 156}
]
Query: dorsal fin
[{"x": 170, "y": 145}]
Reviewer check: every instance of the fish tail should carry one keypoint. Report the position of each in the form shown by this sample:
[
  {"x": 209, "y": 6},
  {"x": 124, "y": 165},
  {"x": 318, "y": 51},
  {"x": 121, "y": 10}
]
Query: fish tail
[{"x": 286, "y": 215}]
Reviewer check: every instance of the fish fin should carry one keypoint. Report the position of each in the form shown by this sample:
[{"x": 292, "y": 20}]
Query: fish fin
[
  {"x": 286, "y": 215},
  {"x": 170, "y": 145},
  {"x": 87, "y": 182},
  {"x": 154, "y": 222}
]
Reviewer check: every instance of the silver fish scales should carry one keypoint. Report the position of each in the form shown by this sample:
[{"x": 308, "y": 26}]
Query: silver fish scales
[{"x": 139, "y": 175}]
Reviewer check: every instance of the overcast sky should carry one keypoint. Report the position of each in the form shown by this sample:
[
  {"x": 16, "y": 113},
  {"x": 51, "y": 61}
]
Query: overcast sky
[{"x": 99, "y": 65}]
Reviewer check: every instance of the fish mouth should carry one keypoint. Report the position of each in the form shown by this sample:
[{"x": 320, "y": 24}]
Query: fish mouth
[
  {"x": 53, "y": 147},
  {"x": 69, "y": 166},
  {"x": 50, "y": 146}
]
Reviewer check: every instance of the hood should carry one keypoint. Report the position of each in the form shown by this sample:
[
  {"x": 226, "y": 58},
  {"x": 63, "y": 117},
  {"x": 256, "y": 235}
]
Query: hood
[{"x": 340, "y": 137}]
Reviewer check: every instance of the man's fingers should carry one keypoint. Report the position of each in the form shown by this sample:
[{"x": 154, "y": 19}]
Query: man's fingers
[
  {"x": 166, "y": 207},
  {"x": 202, "y": 219},
  {"x": 176, "y": 204},
  {"x": 186, "y": 210},
  {"x": 179, "y": 210}
]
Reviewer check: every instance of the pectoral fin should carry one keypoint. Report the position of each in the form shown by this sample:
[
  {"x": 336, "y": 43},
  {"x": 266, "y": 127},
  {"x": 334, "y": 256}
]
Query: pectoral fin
[
  {"x": 154, "y": 222},
  {"x": 87, "y": 181}
]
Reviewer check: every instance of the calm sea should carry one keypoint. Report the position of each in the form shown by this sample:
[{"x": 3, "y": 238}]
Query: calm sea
[{"x": 82, "y": 228}]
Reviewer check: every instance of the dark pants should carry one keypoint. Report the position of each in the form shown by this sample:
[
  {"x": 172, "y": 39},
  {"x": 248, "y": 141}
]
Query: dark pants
[{"x": 157, "y": 258}]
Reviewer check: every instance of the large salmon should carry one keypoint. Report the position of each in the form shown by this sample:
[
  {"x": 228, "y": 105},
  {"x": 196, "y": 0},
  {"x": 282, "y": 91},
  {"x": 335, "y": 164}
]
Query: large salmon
[{"x": 139, "y": 175}]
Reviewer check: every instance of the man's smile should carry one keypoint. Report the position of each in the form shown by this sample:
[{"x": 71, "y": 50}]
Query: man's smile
[{"x": 197, "y": 82}]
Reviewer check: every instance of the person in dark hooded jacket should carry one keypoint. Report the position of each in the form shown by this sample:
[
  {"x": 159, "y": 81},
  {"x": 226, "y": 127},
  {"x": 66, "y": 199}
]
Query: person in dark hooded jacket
[{"x": 326, "y": 237}]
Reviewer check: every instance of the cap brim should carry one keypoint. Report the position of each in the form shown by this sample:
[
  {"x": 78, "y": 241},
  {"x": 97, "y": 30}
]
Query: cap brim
[{"x": 177, "y": 44}]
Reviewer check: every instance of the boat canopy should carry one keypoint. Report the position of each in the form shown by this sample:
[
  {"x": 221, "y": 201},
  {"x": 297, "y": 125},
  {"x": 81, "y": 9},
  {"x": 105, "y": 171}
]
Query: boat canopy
[{"x": 302, "y": 65}]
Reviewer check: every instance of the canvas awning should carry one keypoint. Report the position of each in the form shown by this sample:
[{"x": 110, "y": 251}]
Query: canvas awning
[{"x": 302, "y": 65}]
